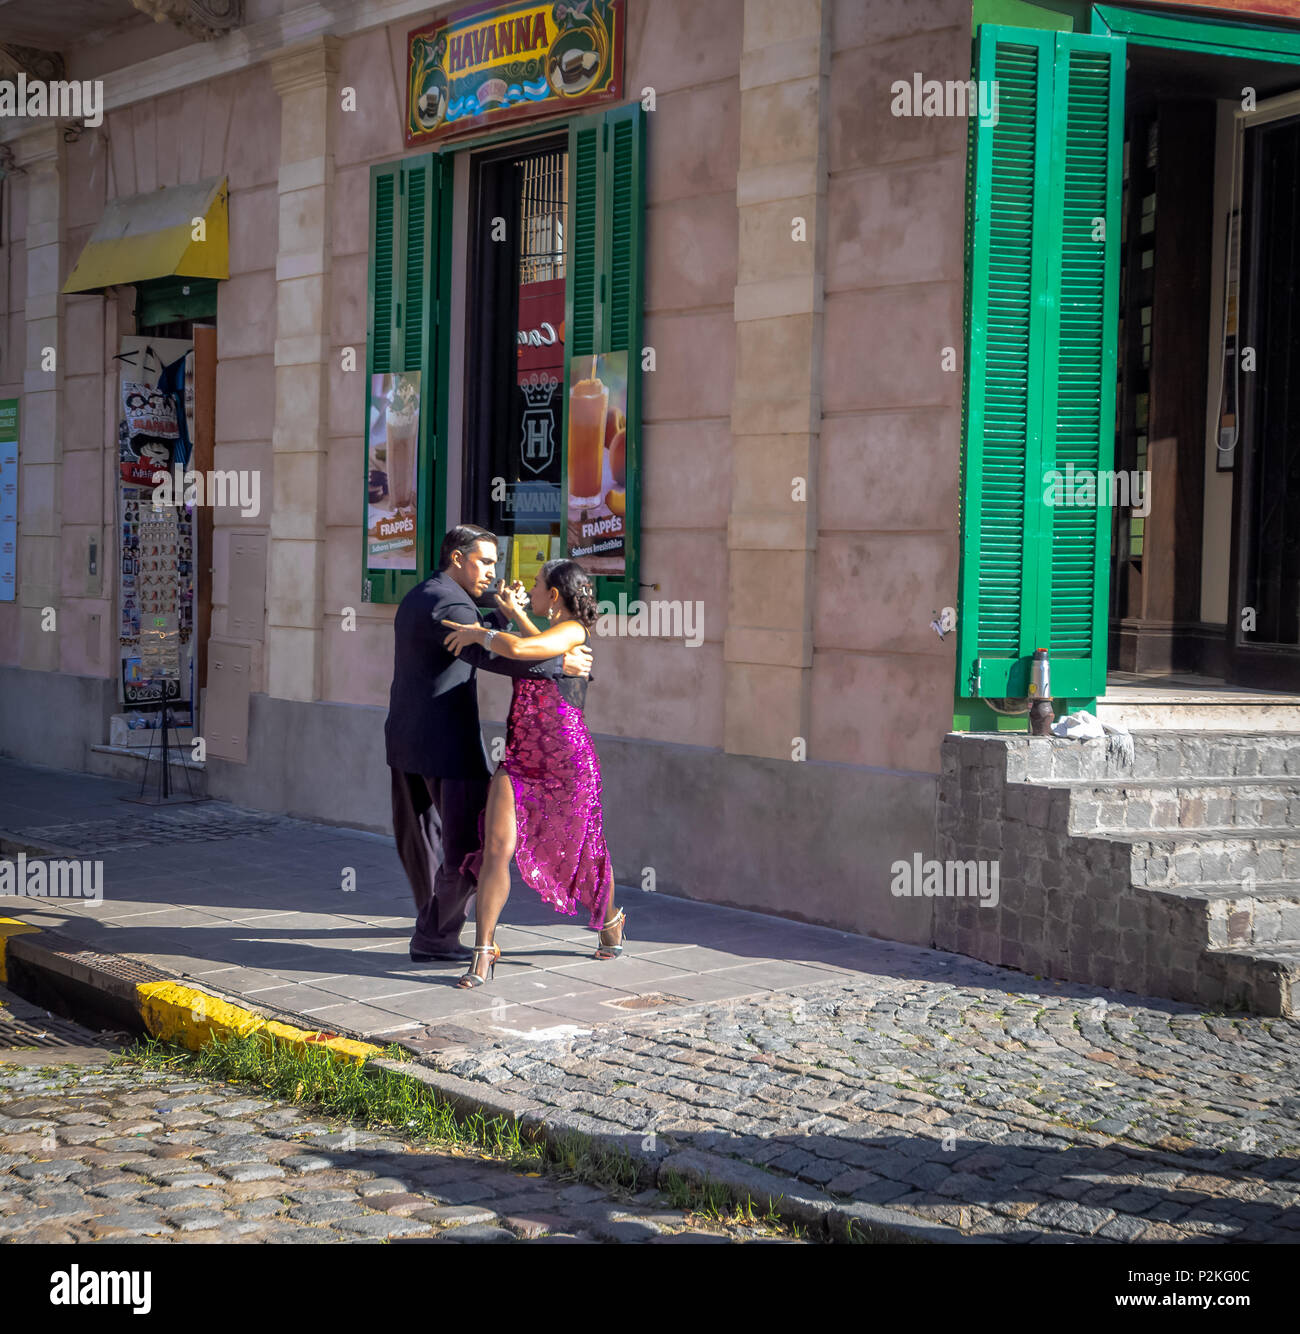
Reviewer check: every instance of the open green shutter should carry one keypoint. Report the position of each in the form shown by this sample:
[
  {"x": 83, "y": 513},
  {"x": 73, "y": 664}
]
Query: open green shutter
[
  {"x": 605, "y": 289},
  {"x": 383, "y": 268},
  {"x": 410, "y": 220},
  {"x": 1043, "y": 250},
  {"x": 583, "y": 317},
  {"x": 1082, "y": 337}
]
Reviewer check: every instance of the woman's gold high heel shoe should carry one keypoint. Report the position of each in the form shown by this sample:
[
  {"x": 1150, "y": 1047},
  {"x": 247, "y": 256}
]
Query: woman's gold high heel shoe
[
  {"x": 472, "y": 979},
  {"x": 612, "y": 951}
]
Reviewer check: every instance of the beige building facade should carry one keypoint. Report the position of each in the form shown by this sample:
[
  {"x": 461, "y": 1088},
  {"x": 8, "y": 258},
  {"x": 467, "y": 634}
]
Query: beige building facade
[{"x": 799, "y": 447}]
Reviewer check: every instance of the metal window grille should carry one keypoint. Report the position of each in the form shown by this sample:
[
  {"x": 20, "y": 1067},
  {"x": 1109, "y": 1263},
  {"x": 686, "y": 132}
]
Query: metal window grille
[{"x": 544, "y": 199}]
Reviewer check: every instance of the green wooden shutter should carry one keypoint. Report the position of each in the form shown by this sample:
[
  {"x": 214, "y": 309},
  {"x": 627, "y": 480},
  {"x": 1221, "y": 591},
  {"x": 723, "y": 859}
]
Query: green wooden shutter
[
  {"x": 410, "y": 216},
  {"x": 605, "y": 293},
  {"x": 1040, "y": 360}
]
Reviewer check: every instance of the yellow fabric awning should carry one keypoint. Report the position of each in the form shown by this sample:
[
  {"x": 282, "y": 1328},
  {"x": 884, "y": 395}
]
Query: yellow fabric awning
[{"x": 152, "y": 235}]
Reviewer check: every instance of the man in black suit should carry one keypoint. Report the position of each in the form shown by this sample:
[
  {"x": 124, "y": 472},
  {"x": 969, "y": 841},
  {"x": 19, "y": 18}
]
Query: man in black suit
[{"x": 439, "y": 767}]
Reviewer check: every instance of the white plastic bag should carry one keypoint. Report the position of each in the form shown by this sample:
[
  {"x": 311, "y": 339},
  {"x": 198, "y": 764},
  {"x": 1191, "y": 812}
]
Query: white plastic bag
[{"x": 1085, "y": 726}]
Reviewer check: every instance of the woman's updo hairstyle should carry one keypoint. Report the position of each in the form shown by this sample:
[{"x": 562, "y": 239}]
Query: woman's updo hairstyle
[{"x": 571, "y": 582}]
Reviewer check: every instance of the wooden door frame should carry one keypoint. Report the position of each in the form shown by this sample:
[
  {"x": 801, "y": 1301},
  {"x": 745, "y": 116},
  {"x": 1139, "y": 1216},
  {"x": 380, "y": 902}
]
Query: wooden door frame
[
  {"x": 1265, "y": 666},
  {"x": 1226, "y": 35}
]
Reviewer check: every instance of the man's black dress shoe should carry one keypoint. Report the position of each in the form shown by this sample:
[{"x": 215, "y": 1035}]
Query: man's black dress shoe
[{"x": 456, "y": 954}]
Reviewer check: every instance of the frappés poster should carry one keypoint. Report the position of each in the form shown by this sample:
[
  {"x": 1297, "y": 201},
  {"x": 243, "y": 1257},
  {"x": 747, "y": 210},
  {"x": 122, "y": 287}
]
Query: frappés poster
[
  {"x": 597, "y": 459},
  {"x": 393, "y": 473}
]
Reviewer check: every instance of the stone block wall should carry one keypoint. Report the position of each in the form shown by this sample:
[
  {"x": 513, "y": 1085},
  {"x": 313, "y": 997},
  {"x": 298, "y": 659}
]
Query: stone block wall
[{"x": 1092, "y": 889}]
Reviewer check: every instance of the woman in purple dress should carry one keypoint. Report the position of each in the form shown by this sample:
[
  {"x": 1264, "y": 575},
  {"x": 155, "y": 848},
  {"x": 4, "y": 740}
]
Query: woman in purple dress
[{"x": 543, "y": 806}]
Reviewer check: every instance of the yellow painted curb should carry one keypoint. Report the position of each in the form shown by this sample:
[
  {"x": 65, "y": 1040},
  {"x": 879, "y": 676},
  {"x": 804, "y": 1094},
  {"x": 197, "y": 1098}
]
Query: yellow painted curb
[
  {"x": 11, "y": 926},
  {"x": 191, "y": 1018}
]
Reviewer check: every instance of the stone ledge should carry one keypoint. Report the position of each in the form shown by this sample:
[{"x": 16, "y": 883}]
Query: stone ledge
[{"x": 312, "y": 64}]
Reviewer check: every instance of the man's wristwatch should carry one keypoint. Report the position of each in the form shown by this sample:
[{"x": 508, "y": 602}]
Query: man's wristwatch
[{"x": 488, "y": 638}]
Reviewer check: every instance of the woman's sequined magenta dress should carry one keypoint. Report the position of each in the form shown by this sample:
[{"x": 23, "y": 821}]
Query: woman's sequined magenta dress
[{"x": 555, "y": 772}]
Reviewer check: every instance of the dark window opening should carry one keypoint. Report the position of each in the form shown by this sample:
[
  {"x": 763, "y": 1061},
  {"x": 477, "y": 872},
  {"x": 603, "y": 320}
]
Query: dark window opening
[{"x": 515, "y": 351}]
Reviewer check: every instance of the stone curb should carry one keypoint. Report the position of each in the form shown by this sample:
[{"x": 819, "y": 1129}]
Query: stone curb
[
  {"x": 791, "y": 1200},
  {"x": 173, "y": 1011},
  {"x": 146, "y": 998}
]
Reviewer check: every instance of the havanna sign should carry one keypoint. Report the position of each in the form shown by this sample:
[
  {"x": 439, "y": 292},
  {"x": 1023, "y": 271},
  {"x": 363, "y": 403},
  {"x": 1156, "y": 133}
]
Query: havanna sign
[{"x": 494, "y": 64}]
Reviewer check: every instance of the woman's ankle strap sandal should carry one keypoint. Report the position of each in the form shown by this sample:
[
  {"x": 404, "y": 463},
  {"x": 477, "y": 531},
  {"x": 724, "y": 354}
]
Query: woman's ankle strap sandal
[
  {"x": 472, "y": 979},
  {"x": 612, "y": 951}
]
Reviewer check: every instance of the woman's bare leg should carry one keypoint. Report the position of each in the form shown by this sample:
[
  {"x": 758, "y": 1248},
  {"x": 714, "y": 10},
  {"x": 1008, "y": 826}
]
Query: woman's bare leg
[
  {"x": 610, "y": 935},
  {"x": 610, "y": 910},
  {"x": 499, "y": 834}
]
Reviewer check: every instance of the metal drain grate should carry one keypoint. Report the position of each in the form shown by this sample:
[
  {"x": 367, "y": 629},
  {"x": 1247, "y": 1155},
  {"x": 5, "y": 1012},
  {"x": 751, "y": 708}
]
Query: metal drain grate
[
  {"x": 115, "y": 965},
  {"x": 189, "y": 824},
  {"x": 49, "y": 1032}
]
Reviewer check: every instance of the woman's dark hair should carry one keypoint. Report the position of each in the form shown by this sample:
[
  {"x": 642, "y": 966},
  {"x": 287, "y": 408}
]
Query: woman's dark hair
[
  {"x": 572, "y": 583},
  {"x": 461, "y": 538}
]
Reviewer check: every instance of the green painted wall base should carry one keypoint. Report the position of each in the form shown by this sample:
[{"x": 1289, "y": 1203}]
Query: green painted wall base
[{"x": 973, "y": 715}]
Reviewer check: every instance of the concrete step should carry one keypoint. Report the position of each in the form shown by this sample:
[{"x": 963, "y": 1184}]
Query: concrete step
[
  {"x": 1166, "y": 805},
  {"x": 1228, "y": 915},
  {"x": 1210, "y": 856},
  {"x": 131, "y": 764},
  {"x": 1213, "y": 713},
  {"x": 1264, "y": 979}
]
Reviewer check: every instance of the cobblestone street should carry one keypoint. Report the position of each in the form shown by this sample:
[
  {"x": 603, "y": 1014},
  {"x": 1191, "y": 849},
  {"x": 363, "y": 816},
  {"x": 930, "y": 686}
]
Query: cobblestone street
[
  {"x": 836, "y": 1072},
  {"x": 1022, "y": 1115},
  {"x": 124, "y": 1154}
]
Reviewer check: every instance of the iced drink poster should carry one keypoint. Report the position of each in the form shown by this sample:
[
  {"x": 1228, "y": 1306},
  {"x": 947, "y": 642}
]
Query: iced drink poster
[
  {"x": 393, "y": 471},
  {"x": 597, "y": 462}
]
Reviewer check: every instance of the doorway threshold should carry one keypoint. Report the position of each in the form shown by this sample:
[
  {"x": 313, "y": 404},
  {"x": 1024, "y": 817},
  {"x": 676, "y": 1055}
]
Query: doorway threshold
[{"x": 1185, "y": 702}]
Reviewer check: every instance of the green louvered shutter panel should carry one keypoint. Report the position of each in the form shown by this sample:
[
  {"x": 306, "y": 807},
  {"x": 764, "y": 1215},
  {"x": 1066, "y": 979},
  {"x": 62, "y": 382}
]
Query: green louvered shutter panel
[
  {"x": 582, "y": 318},
  {"x": 383, "y": 268},
  {"x": 606, "y": 275},
  {"x": 1082, "y": 336},
  {"x": 1040, "y": 359},
  {"x": 410, "y": 218}
]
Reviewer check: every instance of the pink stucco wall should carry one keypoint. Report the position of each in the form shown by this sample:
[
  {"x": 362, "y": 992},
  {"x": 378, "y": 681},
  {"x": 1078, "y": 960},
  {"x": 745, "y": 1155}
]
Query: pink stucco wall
[{"x": 887, "y": 547}]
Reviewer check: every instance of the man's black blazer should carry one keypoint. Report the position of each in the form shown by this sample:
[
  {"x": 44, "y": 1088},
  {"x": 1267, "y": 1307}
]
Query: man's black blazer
[{"x": 433, "y": 725}]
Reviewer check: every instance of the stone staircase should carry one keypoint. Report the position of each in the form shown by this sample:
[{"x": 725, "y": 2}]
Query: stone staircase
[{"x": 1176, "y": 874}]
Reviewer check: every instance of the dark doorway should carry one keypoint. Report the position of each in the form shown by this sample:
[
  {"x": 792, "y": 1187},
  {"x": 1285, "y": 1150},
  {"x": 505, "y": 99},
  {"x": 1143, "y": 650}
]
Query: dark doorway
[
  {"x": 1163, "y": 364},
  {"x": 1265, "y": 629},
  {"x": 514, "y": 366}
]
